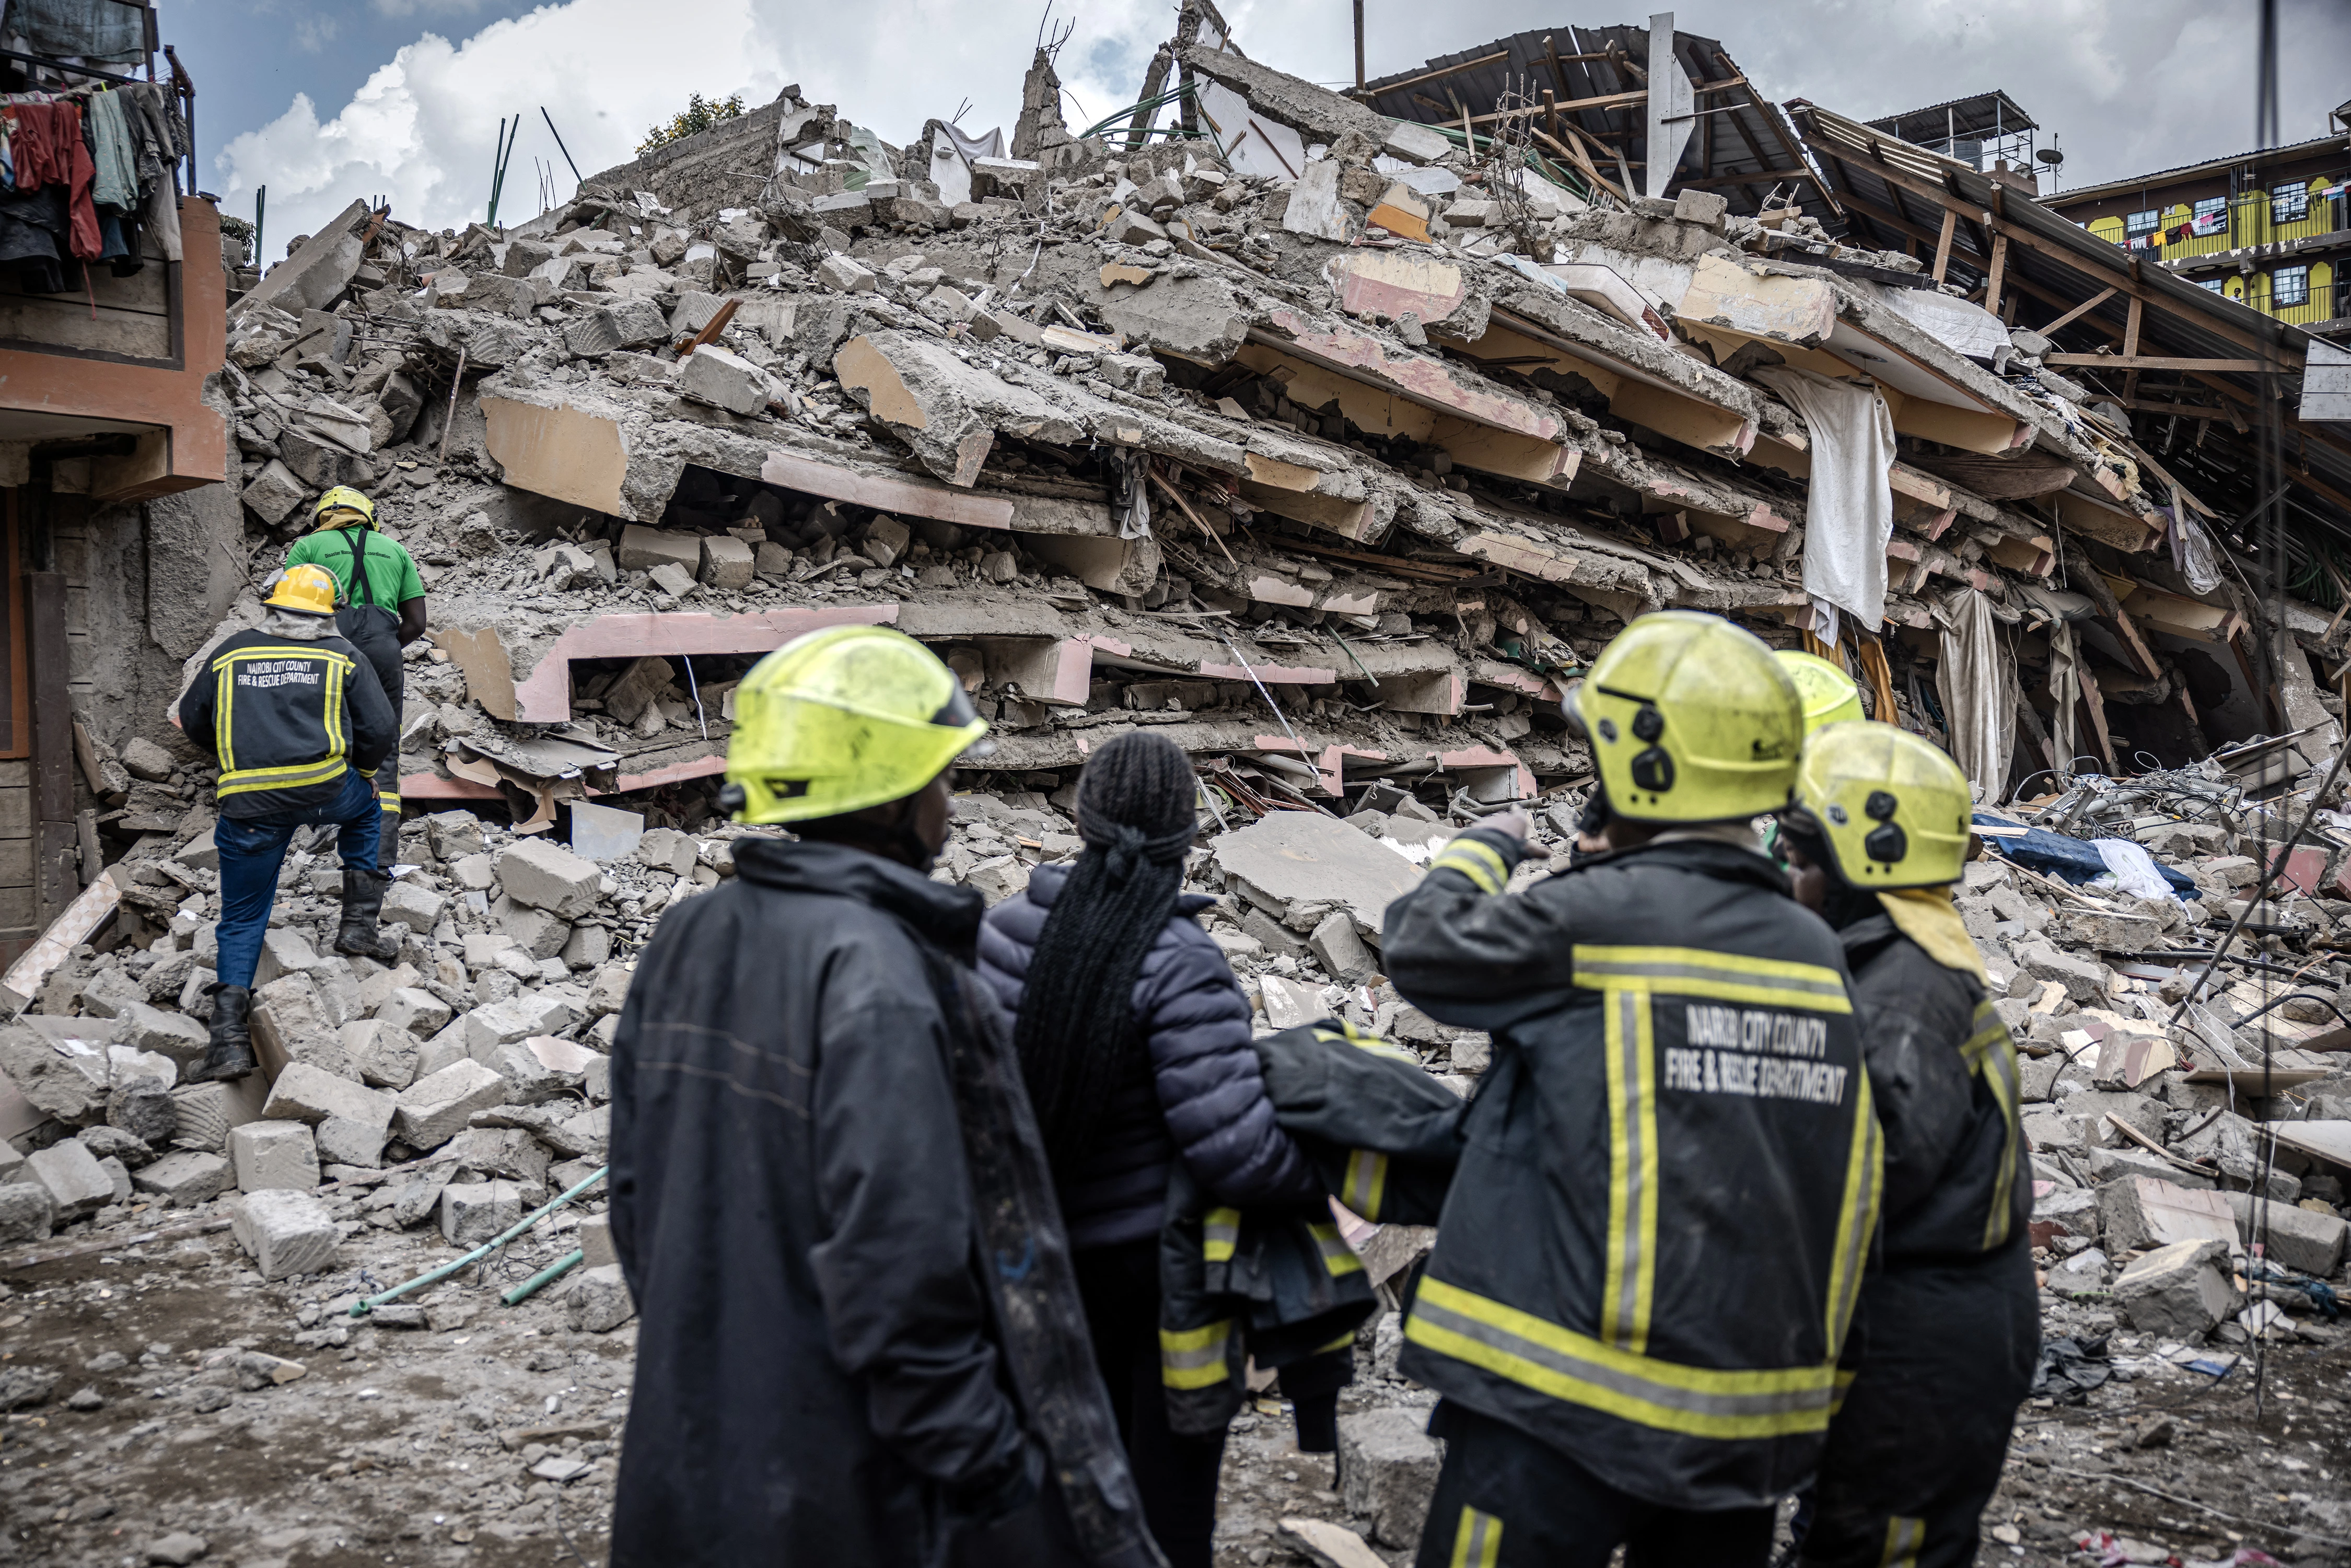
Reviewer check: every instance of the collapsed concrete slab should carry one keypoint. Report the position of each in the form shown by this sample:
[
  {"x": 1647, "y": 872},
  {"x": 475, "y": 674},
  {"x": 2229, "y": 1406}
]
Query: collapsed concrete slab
[{"x": 1292, "y": 857}]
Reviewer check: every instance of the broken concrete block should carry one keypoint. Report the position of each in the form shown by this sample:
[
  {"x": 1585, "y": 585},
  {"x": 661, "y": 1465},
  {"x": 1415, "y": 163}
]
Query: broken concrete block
[
  {"x": 2068, "y": 1211},
  {"x": 175, "y": 1035},
  {"x": 183, "y": 1178},
  {"x": 1315, "y": 207},
  {"x": 453, "y": 833},
  {"x": 724, "y": 380},
  {"x": 947, "y": 410},
  {"x": 2181, "y": 1290},
  {"x": 274, "y": 1156},
  {"x": 304, "y": 1093},
  {"x": 668, "y": 849},
  {"x": 506, "y": 1154},
  {"x": 287, "y": 1011},
  {"x": 274, "y": 492},
  {"x": 643, "y": 548},
  {"x": 2297, "y": 1237},
  {"x": 436, "y": 1108},
  {"x": 672, "y": 579},
  {"x": 412, "y": 1010},
  {"x": 473, "y": 1212},
  {"x": 604, "y": 833},
  {"x": 47, "y": 1078},
  {"x": 2084, "y": 981},
  {"x": 609, "y": 994},
  {"x": 599, "y": 1300},
  {"x": 2142, "y": 1212},
  {"x": 415, "y": 906},
  {"x": 27, "y": 1212},
  {"x": 1387, "y": 1468},
  {"x": 538, "y": 933},
  {"x": 726, "y": 563},
  {"x": 2103, "y": 932},
  {"x": 1132, "y": 225},
  {"x": 1705, "y": 207},
  {"x": 847, "y": 273},
  {"x": 1299, "y": 856},
  {"x": 548, "y": 876},
  {"x": 595, "y": 1238},
  {"x": 1339, "y": 951},
  {"x": 205, "y": 1113},
  {"x": 73, "y": 1178},
  {"x": 284, "y": 1233}
]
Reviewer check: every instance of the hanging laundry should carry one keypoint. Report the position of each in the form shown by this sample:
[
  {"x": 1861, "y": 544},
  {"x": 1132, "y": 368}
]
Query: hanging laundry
[
  {"x": 49, "y": 151},
  {"x": 161, "y": 137},
  {"x": 1849, "y": 515},
  {"x": 116, "y": 184},
  {"x": 1977, "y": 682},
  {"x": 33, "y": 240}
]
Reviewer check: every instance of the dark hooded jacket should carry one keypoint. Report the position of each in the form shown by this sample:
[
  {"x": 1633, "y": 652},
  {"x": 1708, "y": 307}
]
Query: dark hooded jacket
[
  {"x": 823, "y": 1374},
  {"x": 1205, "y": 1097}
]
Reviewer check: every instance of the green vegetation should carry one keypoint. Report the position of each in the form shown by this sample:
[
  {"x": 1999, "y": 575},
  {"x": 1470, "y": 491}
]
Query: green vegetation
[{"x": 700, "y": 114}]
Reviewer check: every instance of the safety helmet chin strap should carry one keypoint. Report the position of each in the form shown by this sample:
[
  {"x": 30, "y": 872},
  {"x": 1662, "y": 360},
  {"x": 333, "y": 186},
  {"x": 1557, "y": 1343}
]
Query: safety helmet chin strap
[{"x": 897, "y": 839}]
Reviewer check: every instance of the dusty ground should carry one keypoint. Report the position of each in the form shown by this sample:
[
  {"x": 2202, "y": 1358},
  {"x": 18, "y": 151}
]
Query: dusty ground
[{"x": 418, "y": 1446}]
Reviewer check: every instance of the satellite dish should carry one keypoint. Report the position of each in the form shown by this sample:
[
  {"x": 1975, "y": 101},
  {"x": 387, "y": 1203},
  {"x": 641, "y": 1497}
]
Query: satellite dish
[{"x": 2051, "y": 156}]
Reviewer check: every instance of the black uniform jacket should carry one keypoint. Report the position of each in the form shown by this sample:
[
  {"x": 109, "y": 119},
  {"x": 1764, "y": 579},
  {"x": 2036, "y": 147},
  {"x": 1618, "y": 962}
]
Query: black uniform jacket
[
  {"x": 820, "y": 1373},
  {"x": 1650, "y": 1251},
  {"x": 1942, "y": 1074},
  {"x": 286, "y": 720}
]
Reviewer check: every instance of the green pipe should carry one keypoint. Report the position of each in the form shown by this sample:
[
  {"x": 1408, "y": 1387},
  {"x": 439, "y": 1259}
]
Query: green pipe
[
  {"x": 367, "y": 1304},
  {"x": 547, "y": 1276}
]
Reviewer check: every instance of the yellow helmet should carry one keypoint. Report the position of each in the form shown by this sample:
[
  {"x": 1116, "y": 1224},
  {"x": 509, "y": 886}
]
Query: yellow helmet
[
  {"x": 841, "y": 719},
  {"x": 1828, "y": 694},
  {"x": 342, "y": 498},
  {"x": 1892, "y": 808},
  {"x": 305, "y": 590},
  {"x": 1690, "y": 720}
]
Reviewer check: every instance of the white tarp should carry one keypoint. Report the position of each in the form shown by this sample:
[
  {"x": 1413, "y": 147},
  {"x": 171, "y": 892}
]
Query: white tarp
[
  {"x": 1976, "y": 680},
  {"x": 1849, "y": 513}
]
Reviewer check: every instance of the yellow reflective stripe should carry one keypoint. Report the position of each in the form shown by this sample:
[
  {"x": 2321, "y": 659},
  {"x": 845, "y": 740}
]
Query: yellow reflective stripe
[
  {"x": 1342, "y": 1343},
  {"x": 294, "y": 777},
  {"x": 1220, "y": 1233},
  {"x": 1477, "y": 1540},
  {"x": 223, "y": 732},
  {"x": 1905, "y": 1539},
  {"x": 1698, "y": 1401},
  {"x": 1338, "y": 1258},
  {"x": 1629, "y": 1291},
  {"x": 1702, "y": 972},
  {"x": 1366, "y": 1183},
  {"x": 388, "y": 799},
  {"x": 334, "y": 713},
  {"x": 1480, "y": 862},
  {"x": 1364, "y": 1039},
  {"x": 1991, "y": 1051},
  {"x": 1194, "y": 1358},
  {"x": 1865, "y": 1173}
]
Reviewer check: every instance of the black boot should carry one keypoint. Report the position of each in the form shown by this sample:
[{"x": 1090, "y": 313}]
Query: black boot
[
  {"x": 230, "y": 1056},
  {"x": 363, "y": 893}
]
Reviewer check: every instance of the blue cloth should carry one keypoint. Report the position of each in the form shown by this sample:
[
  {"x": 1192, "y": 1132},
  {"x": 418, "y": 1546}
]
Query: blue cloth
[
  {"x": 253, "y": 848},
  {"x": 1206, "y": 1094},
  {"x": 2076, "y": 861}
]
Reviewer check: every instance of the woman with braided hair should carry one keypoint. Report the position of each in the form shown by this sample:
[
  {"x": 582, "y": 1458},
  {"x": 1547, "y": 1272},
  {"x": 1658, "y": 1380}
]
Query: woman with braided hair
[{"x": 1134, "y": 1039}]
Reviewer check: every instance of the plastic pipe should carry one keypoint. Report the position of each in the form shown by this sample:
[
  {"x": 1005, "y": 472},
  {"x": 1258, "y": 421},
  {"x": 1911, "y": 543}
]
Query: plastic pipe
[
  {"x": 547, "y": 1276},
  {"x": 367, "y": 1304}
]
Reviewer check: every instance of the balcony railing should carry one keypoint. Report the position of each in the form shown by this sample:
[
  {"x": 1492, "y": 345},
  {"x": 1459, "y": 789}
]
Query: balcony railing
[{"x": 2320, "y": 299}]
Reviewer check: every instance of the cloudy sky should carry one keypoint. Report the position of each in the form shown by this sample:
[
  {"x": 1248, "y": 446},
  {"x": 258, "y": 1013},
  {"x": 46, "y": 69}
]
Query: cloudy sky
[{"x": 322, "y": 103}]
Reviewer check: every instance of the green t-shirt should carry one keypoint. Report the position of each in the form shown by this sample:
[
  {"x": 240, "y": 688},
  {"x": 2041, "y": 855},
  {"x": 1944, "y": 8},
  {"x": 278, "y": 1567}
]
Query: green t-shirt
[{"x": 392, "y": 577}]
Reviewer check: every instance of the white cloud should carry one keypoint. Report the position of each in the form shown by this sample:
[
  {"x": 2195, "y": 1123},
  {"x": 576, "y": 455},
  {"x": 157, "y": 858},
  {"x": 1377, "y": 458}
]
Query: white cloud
[{"x": 2126, "y": 85}]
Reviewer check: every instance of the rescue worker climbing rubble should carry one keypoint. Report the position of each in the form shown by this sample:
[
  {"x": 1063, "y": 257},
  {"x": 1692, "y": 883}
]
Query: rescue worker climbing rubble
[
  {"x": 382, "y": 610},
  {"x": 295, "y": 721},
  {"x": 1948, "y": 1324},
  {"x": 1648, "y": 1258},
  {"x": 862, "y": 1342}
]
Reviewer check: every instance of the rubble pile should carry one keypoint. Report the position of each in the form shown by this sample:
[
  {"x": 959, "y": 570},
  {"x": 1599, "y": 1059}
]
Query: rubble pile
[{"x": 1339, "y": 478}]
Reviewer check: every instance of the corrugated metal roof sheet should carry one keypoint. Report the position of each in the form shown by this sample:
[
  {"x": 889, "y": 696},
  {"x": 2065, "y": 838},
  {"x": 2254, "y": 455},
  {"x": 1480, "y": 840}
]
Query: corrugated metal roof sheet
[{"x": 1740, "y": 132}]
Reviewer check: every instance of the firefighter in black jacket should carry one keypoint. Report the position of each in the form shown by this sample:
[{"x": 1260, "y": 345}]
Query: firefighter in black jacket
[
  {"x": 861, "y": 1342},
  {"x": 1949, "y": 1326},
  {"x": 1649, "y": 1255},
  {"x": 296, "y": 722}
]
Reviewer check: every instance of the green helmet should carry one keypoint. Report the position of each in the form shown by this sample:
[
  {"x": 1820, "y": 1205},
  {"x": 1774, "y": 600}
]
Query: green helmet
[
  {"x": 1892, "y": 807},
  {"x": 1690, "y": 720},
  {"x": 841, "y": 719},
  {"x": 1828, "y": 694}
]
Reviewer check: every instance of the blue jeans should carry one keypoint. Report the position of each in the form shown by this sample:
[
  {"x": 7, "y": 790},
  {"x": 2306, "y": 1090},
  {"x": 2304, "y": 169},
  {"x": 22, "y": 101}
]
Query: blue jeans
[{"x": 253, "y": 848}]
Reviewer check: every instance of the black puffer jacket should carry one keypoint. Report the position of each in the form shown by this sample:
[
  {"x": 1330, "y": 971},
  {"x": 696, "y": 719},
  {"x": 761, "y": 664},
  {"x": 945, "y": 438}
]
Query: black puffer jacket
[{"x": 1206, "y": 1097}]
